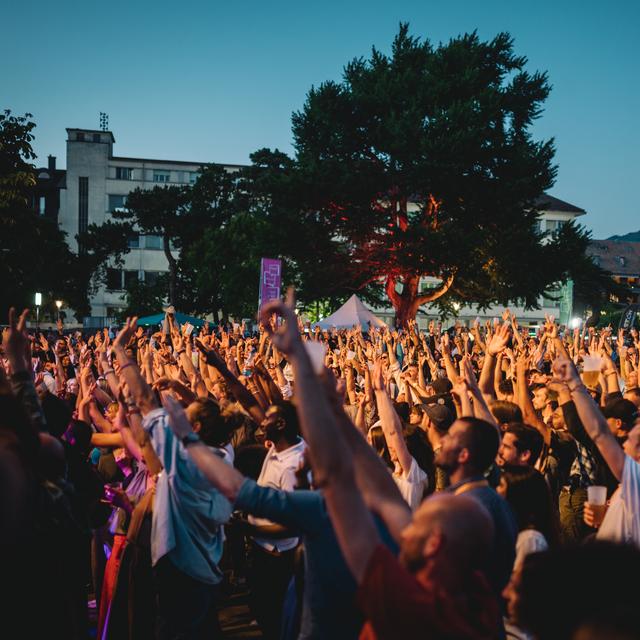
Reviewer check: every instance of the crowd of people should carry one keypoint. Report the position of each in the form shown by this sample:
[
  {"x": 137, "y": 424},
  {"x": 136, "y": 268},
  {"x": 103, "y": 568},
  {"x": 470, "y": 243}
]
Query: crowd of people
[{"x": 468, "y": 482}]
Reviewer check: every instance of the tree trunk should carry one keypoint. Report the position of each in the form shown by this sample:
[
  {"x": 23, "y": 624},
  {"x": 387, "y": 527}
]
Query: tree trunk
[
  {"x": 173, "y": 269},
  {"x": 407, "y": 303}
]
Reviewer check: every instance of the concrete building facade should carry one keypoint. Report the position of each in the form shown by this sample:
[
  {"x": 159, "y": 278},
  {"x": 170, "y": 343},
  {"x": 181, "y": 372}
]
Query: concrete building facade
[{"x": 97, "y": 183}]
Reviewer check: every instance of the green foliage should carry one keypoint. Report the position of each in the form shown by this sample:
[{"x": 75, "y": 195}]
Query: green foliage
[
  {"x": 423, "y": 164},
  {"x": 103, "y": 247},
  {"x": 16, "y": 170},
  {"x": 144, "y": 299},
  {"x": 34, "y": 255}
]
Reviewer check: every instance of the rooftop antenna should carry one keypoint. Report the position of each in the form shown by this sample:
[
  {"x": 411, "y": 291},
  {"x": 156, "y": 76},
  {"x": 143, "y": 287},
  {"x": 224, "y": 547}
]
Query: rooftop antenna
[{"x": 104, "y": 121}]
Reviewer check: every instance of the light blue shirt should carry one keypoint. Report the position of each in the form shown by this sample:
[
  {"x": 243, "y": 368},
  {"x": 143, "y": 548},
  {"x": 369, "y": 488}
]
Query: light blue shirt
[{"x": 187, "y": 511}]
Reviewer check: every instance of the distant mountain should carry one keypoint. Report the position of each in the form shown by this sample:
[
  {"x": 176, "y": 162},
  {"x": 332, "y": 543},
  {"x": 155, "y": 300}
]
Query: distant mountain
[{"x": 634, "y": 236}]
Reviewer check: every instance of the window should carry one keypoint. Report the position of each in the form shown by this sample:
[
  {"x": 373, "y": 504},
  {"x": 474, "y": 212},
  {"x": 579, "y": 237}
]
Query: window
[
  {"x": 80, "y": 136},
  {"x": 124, "y": 173},
  {"x": 130, "y": 277},
  {"x": 193, "y": 176},
  {"x": 114, "y": 279},
  {"x": 41, "y": 205},
  {"x": 151, "y": 277},
  {"x": 96, "y": 137},
  {"x": 134, "y": 241},
  {"x": 555, "y": 225},
  {"x": 161, "y": 176},
  {"x": 117, "y": 203},
  {"x": 153, "y": 242}
]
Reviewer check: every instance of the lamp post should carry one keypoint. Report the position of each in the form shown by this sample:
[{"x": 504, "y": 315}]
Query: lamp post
[
  {"x": 38, "y": 301},
  {"x": 59, "y": 305}
]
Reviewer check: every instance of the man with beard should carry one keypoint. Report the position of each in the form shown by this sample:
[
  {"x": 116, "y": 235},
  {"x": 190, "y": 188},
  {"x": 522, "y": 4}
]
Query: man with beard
[
  {"x": 521, "y": 446},
  {"x": 273, "y": 550},
  {"x": 468, "y": 450}
]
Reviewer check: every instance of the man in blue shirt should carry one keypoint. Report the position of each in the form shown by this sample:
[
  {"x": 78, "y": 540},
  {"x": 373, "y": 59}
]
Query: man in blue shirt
[
  {"x": 468, "y": 450},
  {"x": 186, "y": 533},
  {"x": 328, "y": 601}
]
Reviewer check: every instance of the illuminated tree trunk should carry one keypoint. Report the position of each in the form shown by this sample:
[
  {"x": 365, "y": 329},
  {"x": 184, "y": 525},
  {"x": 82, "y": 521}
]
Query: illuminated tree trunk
[{"x": 407, "y": 302}]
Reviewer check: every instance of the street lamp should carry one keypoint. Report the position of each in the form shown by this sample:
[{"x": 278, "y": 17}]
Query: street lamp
[
  {"x": 59, "y": 305},
  {"x": 575, "y": 323},
  {"x": 38, "y": 301}
]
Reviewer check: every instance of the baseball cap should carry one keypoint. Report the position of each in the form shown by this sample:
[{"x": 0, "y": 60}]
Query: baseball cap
[
  {"x": 621, "y": 409},
  {"x": 440, "y": 415}
]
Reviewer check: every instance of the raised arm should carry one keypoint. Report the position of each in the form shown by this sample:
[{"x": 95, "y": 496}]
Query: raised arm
[
  {"x": 220, "y": 474},
  {"x": 529, "y": 414},
  {"x": 380, "y": 492},
  {"x": 496, "y": 345},
  {"x": 390, "y": 420},
  {"x": 138, "y": 387},
  {"x": 241, "y": 393},
  {"x": 331, "y": 458},
  {"x": 595, "y": 424}
]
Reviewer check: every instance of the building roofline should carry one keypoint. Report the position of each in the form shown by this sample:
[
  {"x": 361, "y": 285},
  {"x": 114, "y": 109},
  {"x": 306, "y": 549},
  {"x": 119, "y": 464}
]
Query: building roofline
[
  {"x": 547, "y": 202},
  {"x": 181, "y": 162},
  {"x": 68, "y": 129}
]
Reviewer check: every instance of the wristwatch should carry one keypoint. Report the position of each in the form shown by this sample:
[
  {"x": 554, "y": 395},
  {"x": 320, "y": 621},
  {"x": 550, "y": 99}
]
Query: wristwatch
[{"x": 190, "y": 438}]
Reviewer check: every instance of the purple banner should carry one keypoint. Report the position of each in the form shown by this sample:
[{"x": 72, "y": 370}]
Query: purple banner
[{"x": 270, "y": 280}]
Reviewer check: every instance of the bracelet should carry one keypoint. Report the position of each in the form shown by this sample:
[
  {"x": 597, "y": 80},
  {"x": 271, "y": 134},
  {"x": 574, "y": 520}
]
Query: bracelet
[
  {"x": 108, "y": 371},
  {"x": 134, "y": 412},
  {"x": 575, "y": 387},
  {"x": 179, "y": 353},
  {"x": 124, "y": 366}
]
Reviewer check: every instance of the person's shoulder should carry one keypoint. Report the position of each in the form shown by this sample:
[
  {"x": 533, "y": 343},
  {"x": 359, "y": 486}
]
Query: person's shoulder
[
  {"x": 531, "y": 540},
  {"x": 497, "y": 506}
]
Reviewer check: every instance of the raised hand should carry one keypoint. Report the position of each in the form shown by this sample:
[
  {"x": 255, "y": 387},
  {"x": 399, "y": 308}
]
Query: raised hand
[
  {"x": 286, "y": 337},
  {"x": 377, "y": 378},
  {"x": 126, "y": 333},
  {"x": 44, "y": 343},
  {"x": 565, "y": 371},
  {"x": 499, "y": 340},
  {"x": 16, "y": 344},
  {"x": 211, "y": 356}
]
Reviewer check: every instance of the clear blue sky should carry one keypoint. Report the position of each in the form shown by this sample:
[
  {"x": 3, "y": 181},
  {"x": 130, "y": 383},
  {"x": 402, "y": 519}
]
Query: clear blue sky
[{"x": 213, "y": 81}]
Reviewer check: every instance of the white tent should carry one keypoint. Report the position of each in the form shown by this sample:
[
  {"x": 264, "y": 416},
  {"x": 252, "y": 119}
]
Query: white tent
[{"x": 352, "y": 312}]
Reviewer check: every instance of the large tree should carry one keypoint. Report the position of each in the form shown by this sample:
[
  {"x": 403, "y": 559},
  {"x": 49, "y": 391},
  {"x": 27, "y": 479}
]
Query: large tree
[
  {"x": 159, "y": 211},
  {"x": 34, "y": 255},
  {"x": 422, "y": 163}
]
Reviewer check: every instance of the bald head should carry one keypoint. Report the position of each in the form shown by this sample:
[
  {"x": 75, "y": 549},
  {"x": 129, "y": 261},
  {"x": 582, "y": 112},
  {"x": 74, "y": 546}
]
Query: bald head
[{"x": 459, "y": 528}]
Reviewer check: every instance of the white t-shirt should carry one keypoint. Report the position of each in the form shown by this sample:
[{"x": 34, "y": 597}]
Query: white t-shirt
[
  {"x": 622, "y": 521},
  {"x": 528, "y": 541},
  {"x": 412, "y": 485},
  {"x": 279, "y": 472}
]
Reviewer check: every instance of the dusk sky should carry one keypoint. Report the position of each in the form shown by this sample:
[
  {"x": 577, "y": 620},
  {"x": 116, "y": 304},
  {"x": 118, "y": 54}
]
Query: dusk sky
[{"x": 212, "y": 81}]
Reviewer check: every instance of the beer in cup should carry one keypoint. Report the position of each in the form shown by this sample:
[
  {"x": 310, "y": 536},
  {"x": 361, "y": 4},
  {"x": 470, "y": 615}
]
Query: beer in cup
[
  {"x": 591, "y": 370},
  {"x": 597, "y": 500}
]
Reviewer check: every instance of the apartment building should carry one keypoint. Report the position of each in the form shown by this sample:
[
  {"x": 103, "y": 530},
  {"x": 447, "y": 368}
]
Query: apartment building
[{"x": 97, "y": 183}]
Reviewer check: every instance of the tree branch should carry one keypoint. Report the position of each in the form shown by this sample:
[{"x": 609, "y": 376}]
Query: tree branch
[{"x": 437, "y": 293}]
